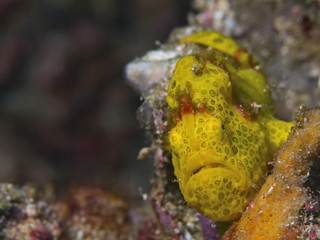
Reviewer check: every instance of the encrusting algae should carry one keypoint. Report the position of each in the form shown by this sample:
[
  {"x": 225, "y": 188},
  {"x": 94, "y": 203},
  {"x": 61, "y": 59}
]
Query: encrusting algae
[{"x": 223, "y": 130}]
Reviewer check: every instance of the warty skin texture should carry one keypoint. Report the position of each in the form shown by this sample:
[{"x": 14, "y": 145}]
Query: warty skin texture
[{"x": 223, "y": 130}]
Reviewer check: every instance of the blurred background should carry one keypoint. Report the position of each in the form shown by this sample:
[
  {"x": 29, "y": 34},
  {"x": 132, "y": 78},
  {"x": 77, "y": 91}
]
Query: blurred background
[{"x": 67, "y": 114}]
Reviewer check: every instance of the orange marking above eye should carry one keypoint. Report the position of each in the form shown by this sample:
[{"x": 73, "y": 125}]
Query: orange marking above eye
[
  {"x": 186, "y": 106},
  {"x": 238, "y": 53},
  {"x": 243, "y": 113}
]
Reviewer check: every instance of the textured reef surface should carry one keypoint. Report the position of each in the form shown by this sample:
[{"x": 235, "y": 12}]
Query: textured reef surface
[{"x": 30, "y": 213}]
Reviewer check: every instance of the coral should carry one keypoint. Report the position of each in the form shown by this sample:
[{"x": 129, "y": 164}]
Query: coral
[
  {"x": 92, "y": 213},
  {"x": 29, "y": 213},
  {"x": 25, "y": 214},
  {"x": 223, "y": 132},
  {"x": 275, "y": 211}
]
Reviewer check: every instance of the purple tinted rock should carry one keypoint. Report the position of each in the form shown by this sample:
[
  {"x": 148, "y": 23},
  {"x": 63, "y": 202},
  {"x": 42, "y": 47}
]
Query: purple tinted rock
[{"x": 209, "y": 229}]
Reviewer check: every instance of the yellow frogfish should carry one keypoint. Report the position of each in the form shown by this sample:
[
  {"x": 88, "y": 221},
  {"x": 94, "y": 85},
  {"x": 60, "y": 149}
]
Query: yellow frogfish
[{"x": 223, "y": 131}]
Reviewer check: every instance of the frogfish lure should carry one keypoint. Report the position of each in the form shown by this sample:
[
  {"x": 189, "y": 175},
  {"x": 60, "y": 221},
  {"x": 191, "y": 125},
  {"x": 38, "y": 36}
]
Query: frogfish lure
[{"x": 222, "y": 126}]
